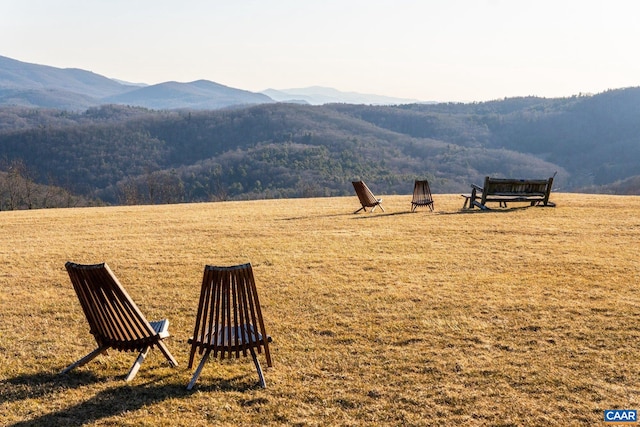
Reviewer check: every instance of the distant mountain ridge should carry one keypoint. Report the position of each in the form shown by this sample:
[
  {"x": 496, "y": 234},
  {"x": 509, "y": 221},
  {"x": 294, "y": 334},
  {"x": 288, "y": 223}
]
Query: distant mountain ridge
[
  {"x": 33, "y": 85},
  {"x": 201, "y": 95},
  {"x": 16, "y": 75},
  {"x": 318, "y": 95}
]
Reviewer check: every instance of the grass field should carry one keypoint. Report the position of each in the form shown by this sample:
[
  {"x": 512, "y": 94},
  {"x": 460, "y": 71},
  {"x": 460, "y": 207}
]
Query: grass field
[{"x": 517, "y": 317}]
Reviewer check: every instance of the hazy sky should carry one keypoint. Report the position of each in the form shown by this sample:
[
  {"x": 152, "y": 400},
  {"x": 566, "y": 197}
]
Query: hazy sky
[{"x": 431, "y": 50}]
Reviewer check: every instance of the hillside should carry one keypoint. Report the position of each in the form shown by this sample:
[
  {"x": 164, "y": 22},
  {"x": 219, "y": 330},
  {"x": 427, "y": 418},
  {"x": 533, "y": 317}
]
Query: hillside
[
  {"x": 594, "y": 138},
  {"x": 267, "y": 151},
  {"x": 117, "y": 155}
]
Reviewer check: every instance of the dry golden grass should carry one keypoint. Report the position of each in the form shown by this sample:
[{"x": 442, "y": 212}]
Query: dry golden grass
[{"x": 511, "y": 317}]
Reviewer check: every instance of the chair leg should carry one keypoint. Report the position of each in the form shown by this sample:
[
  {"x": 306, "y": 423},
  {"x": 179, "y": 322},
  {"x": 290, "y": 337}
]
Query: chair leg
[
  {"x": 136, "y": 365},
  {"x": 263, "y": 384},
  {"x": 86, "y": 359},
  {"x": 199, "y": 369},
  {"x": 165, "y": 350}
]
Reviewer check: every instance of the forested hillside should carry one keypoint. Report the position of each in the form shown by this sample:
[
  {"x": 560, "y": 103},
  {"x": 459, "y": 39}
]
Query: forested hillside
[{"x": 117, "y": 155}]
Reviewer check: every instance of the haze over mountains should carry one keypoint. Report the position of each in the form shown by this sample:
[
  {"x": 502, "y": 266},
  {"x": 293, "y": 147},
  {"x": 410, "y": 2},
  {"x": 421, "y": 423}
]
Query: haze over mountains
[
  {"x": 317, "y": 95},
  {"x": 32, "y": 85}
]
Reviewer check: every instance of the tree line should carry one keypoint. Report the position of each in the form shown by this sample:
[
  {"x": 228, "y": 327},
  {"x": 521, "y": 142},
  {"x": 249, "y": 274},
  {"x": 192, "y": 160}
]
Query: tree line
[{"x": 18, "y": 190}]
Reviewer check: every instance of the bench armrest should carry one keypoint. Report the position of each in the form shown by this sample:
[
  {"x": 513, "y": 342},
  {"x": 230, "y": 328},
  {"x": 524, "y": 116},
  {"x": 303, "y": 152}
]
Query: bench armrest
[{"x": 477, "y": 187}]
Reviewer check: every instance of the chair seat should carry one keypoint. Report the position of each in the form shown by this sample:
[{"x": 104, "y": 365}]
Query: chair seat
[
  {"x": 421, "y": 202},
  {"x": 234, "y": 338},
  {"x": 161, "y": 327}
]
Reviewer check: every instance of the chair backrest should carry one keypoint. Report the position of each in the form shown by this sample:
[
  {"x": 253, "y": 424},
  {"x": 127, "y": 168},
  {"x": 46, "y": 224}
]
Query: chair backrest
[
  {"x": 364, "y": 194},
  {"x": 422, "y": 192},
  {"x": 229, "y": 318},
  {"x": 114, "y": 319}
]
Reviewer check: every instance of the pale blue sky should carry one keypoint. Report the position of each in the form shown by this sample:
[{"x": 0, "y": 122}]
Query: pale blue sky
[{"x": 440, "y": 50}]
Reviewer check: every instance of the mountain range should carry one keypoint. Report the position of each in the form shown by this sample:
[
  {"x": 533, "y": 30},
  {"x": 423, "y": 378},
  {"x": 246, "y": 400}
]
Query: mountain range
[
  {"x": 32, "y": 85},
  {"x": 182, "y": 142}
]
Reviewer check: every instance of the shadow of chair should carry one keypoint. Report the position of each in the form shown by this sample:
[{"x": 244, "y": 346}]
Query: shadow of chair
[
  {"x": 229, "y": 319},
  {"x": 366, "y": 197},
  {"x": 114, "y": 319},
  {"x": 100, "y": 407},
  {"x": 421, "y": 195}
]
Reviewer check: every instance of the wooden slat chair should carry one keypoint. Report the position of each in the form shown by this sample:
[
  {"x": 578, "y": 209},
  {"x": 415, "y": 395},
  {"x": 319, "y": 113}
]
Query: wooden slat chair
[
  {"x": 114, "y": 319},
  {"x": 366, "y": 197},
  {"x": 421, "y": 195},
  {"x": 229, "y": 320}
]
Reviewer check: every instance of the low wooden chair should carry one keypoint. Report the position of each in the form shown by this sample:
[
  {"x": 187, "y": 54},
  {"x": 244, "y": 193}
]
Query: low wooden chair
[
  {"x": 114, "y": 319},
  {"x": 366, "y": 197},
  {"x": 229, "y": 319},
  {"x": 421, "y": 195}
]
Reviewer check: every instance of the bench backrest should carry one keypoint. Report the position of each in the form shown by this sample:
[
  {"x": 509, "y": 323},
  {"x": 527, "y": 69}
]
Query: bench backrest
[{"x": 517, "y": 187}]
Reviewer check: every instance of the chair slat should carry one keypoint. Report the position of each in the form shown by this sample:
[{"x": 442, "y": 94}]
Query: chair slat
[{"x": 244, "y": 314}]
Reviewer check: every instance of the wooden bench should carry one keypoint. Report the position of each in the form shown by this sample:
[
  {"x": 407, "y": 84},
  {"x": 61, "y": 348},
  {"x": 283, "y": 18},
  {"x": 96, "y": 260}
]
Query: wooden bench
[{"x": 534, "y": 191}]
